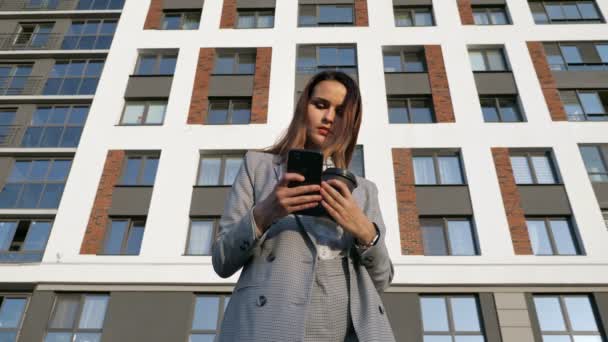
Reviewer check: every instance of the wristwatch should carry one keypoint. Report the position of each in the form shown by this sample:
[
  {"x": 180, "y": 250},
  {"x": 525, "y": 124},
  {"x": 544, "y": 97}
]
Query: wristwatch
[{"x": 372, "y": 243}]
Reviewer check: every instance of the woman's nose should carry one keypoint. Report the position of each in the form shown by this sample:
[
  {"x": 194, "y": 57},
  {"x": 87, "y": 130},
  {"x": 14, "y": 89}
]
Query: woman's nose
[{"x": 329, "y": 115}]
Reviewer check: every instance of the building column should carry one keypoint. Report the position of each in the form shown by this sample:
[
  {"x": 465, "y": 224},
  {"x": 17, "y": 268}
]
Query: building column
[
  {"x": 440, "y": 89},
  {"x": 361, "y": 17},
  {"x": 547, "y": 82},
  {"x": 199, "y": 103},
  {"x": 228, "y": 19},
  {"x": 261, "y": 85},
  {"x": 466, "y": 12},
  {"x": 155, "y": 13}
]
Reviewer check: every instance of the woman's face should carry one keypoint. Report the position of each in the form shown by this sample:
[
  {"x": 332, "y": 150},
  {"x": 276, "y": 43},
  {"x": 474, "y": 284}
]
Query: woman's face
[{"x": 324, "y": 112}]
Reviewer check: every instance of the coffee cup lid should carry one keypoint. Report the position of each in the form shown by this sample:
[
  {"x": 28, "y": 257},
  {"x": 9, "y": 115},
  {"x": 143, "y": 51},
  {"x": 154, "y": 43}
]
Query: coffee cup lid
[{"x": 341, "y": 172}]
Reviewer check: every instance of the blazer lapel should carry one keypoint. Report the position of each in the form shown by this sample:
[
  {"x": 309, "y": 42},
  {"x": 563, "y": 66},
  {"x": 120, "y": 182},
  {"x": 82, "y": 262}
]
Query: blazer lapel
[{"x": 277, "y": 166}]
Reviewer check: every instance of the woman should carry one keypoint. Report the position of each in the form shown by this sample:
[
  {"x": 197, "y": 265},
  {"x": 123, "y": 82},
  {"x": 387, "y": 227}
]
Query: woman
[{"x": 302, "y": 278}]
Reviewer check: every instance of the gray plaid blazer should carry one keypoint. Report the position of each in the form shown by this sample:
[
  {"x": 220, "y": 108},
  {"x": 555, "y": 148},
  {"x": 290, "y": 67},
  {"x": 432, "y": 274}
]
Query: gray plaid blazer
[{"x": 270, "y": 298}]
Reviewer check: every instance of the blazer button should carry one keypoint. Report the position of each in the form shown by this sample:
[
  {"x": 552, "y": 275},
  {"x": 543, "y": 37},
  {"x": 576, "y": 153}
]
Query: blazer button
[
  {"x": 381, "y": 309},
  {"x": 270, "y": 257},
  {"x": 261, "y": 301}
]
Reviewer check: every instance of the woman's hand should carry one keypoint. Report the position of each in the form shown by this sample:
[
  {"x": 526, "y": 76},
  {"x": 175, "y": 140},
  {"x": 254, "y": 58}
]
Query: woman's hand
[
  {"x": 284, "y": 200},
  {"x": 342, "y": 207}
]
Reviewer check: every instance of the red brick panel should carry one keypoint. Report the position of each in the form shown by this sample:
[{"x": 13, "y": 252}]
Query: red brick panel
[
  {"x": 511, "y": 201},
  {"x": 466, "y": 12},
  {"x": 547, "y": 82},
  {"x": 199, "y": 103},
  {"x": 228, "y": 19},
  {"x": 361, "y": 13},
  {"x": 409, "y": 225},
  {"x": 261, "y": 85},
  {"x": 155, "y": 12},
  {"x": 438, "y": 78},
  {"x": 98, "y": 219}
]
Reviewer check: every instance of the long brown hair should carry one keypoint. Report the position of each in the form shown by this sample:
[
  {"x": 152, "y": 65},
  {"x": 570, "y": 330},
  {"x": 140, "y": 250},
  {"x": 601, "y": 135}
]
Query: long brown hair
[{"x": 339, "y": 145}]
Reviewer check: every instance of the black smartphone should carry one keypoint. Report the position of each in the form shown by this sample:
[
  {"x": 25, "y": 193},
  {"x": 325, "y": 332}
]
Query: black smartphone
[{"x": 308, "y": 163}]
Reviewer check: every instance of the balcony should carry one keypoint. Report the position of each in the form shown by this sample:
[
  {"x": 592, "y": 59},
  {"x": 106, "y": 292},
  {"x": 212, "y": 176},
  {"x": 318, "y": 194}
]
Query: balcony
[
  {"x": 20, "y": 85},
  {"x": 29, "y": 41},
  {"x": 37, "y": 5}
]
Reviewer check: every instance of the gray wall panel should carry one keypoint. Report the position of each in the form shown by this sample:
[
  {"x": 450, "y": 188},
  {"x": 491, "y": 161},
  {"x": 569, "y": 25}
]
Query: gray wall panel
[
  {"x": 6, "y": 164},
  {"x": 302, "y": 80},
  {"x": 581, "y": 79},
  {"x": 148, "y": 316},
  {"x": 495, "y": 83},
  {"x": 231, "y": 85},
  {"x": 255, "y": 3},
  {"x": 490, "y": 317},
  {"x": 403, "y": 310},
  {"x": 182, "y": 4},
  {"x": 488, "y": 2},
  {"x": 601, "y": 300},
  {"x": 130, "y": 200},
  {"x": 149, "y": 86},
  {"x": 544, "y": 199},
  {"x": 407, "y": 83},
  {"x": 37, "y": 316},
  {"x": 412, "y": 2},
  {"x": 443, "y": 200},
  {"x": 601, "y": 192},
  {"x": 208, "y": 200}
]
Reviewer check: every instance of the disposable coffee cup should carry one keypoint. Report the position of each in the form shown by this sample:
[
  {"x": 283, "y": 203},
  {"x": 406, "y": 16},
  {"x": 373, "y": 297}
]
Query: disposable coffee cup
[{"x": 342, "y": 175}]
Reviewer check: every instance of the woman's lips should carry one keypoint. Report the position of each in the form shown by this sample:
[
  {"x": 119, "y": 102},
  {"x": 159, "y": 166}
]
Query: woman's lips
[{"x": 323, "y": 131}]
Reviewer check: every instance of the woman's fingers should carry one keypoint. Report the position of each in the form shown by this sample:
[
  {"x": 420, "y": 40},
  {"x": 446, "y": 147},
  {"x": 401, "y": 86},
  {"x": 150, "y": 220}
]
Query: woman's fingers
[
  {"x": 291, "y": 176},
  {"x": 292, "y": 201},
  {"x": 331, "y": 196}
]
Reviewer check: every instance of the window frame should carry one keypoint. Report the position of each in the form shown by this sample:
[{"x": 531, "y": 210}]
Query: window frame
[
  {"x": 131, "y": 221},
  {"x": 6, "y": 82},
  {"x": 585, "y": 115},
  {"x": 81, "y": 301},
  {"x": 222, "y": 155},
  {"x": 215, "y": 230},
  {"x": 182, "y": 20},
  {"x": 408, "y": 103},
  {"x": 435, "y": 154},
  {"x": 82, "y": 77},
  {"x": 566, "y": 21},
  {"x": 498, "y": 108},
  {"x": 444, "y": 220},
  {"x": 317, "y": 10},
  {"x": 231, "y": 101},
  {"x": 412, "y": 13},
  {"x": 144, "y": 156},
  {"x": 108, "y": 6},
  {"x": 15, "y": 295},
  {"x": 452, "y": 332},
  {"x": 528, "y": 155},
  {"x": 552, "y": 241},
  {"x": 402, "y": 59},
  {"x": 19, "y": 33},
  {"x": 488, "y": 10},
  {"x": 585, "y": 66},
  {"x": 220, "y": 315},
  {"x": 486, "y": 60},
  {"x": 256, "y": 15},
  {"x": 158, "y": 57},
  {"x": 236, "y": 61},
  {"x": 147, "y": 104},
  {"x": 21, "y": 252},
  {"x": 321, "y": 67},
  {"x": 97, "y": 35},
  {"x": 602, "y": 151},
  {"x": 66, "y": 125}
]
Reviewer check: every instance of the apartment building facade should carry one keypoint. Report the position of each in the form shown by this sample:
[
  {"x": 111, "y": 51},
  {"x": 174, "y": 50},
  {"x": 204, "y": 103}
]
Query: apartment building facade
[{"x": 124, "y": 123}]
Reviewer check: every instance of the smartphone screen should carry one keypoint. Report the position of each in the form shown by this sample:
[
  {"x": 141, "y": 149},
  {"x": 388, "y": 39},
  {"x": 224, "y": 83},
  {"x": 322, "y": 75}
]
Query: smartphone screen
[{"x": 308, "y": 163}]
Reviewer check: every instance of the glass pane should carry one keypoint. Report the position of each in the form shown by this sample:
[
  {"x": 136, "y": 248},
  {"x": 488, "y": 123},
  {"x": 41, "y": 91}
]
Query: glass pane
[
  {"x": 499, "y": 18},
  {"x": 134, "y": 113},
  {"x": 206, "y": 313},
  {"x": 539, "y": 238},
  {"x": 246, "y": 20},
  {"x": 171, "y": 22},
  {"x": 587, "y": 338},
  {"x": 58, "y": 337},
  {"x": 580, "y": 313},
  {"x": 265, "y": 19},
  {"x": 437, "y": 338},
  {"x": 434, "y": 314},
  {"x": 30, "y": 195},
  {"x": 9, "y": 194},
  {"x": 241, "y": 112},
  {"x": 37, "y": 236},
  {"x": 93, "y": 312},
  {"x": 218, "y": 114},
  {"x": 562, "y": 234},
  {"x": 356, "y": 163},
  {"x": 433, "y": 238},
  {"x": 543, "y": 170},
  {"x": 246, "y": 63},
  {"x": 156, "y": 113},
  {"x": 59, "y": 170},
  {"x": 132, "y": 169},
  {"x": 469, "y": 338},
  {"x": 592, "y": 103},
  {"x": 449, "y": 170},
  {"x": 232, "y": 167},
  {"x": 224, "y": 64},
  {"x": 78, "y": 115},
  {"x": 167, "y": 65},
  {"x": 509, "y": 110},
  {"x": 146, "y": 65},
  {"x": 602, "y": 50},
  {"x": 421, "y": 111},
  {"x": 496, "y": 60},
  {"x": 592, "y": 159},
  {"x": 461, "y": 237},
  {"x": 328, "y": 55},
  {"x": 11, "y": 312},
  {"x": 209, "y": 171},
  {"x": 424, "y": 170},
  {"x": 202, "y": 338},
  {"x": 87, "y": 337},
  {"x": 392, "y": 62},
  {"x": 346, "y": 56},
  {"x": 201, "y": 238},
  {"x": 488, "y": 107},
  {"x": 480, "y": 17},
  {"x": 414, "y": 62},
  {"x": 403, "y": 18},
  {"x": 571, "y": 54},
  {"x": 115, "y": 236},
  {"x": 51, "y": 136},
  {"x": 191, "y": 21},
  {"x": 150, "y": 167},
  {"x": 7, "y": 232},
  {"x": 423, "y": 18},
  {"x": 464, "y": 313},
  {"x": 397, "y": 112},
  {"x": 571, "y": 11},
  {"x": 64, "y": 314},
  {"x": 307, "y": 15},
  {"x": 307, "y": 59},
  {"x": 588, "y": 10},
  {"x": 549, "y": 313},
  {"x": 521, "y": 170},
  {"x": 136, "y": 235},
  {"x": 477, "y": 61},
  {"x": 554, "y": 11}
]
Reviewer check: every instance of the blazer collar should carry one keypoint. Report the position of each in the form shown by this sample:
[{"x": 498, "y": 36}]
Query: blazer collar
[{"x": 278, "y": 166}]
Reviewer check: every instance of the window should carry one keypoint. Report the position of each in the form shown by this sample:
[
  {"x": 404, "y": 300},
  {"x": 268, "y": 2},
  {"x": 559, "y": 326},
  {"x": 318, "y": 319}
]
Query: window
[
  {"x": 414, "y": 16},
  {"x": 187, "y": 20},
  {"x": 23, "y": 240},
  {"x": 89, "y": 34},
  {"x": 585, "y": 105},
  {"x": 418, "y": 109},
  {"x": 14, "y": 79},
  {"x": 325, "y": 15},
  {"x": 234, "y": 62},
  {"x": 577, "y": 55},
  {"x": 41, "y": 4},
  {"x": 144, "y": 113},
  {"x": 437, "y": 168},
  {"x": 35, "y": 183},
  {"x": 33, "y": 36},
  {"x": 447, "y": 236},
  {"x": 488, "y": 59},
  {"x": 551, "y": 236},
  {"x": 55, "y": 126},
  {"x": 315, "y": 58},
  {"x": 206, "y": 317},
  {"x": 356, "y": 165},
  {"x": 563, "y": 12},
  {"x": 229, "y": 111},
  {"x": 533, "y": 168},
  {"x": 451, "y": 318},
  {"x": 77, "y": 316},
  {"x": 201, "y": 236},
  {"x": 493, "y": 15},
  {"x": 124, "y": 236},
  {"x": 500, "y": 109},
  {"x": 12, "y": 308},
  {"x": 8, "y": 131},
  {"x": 100, "y": 4},
  {"x": 595, "y": 163},
  {"x": 404, "y": 61},
  {"x": 567, "y": 317},
  {"x": 255, "y": 18},
  {"x": 156, "y": 64},
  {"x": 219, "y": 169},
  {"x": 139, "y": 170},
  {"x": 74, "y": 77}
]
